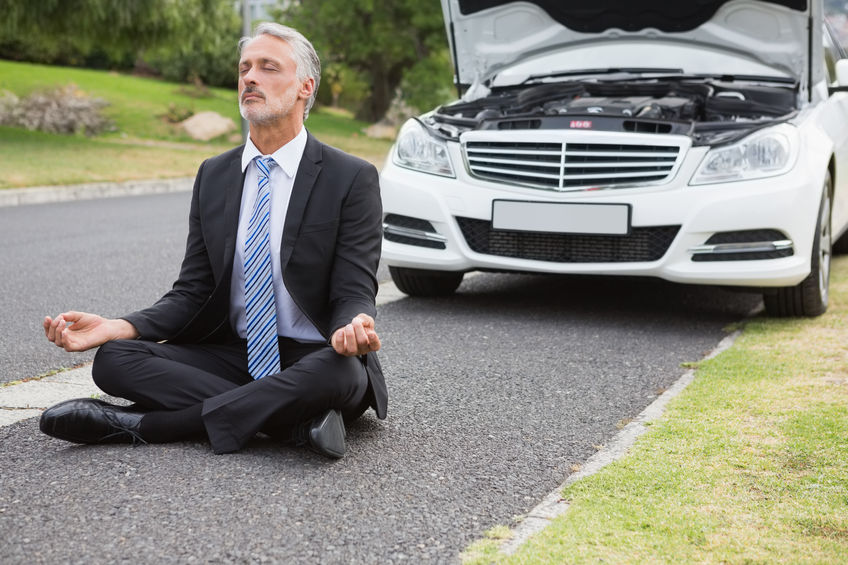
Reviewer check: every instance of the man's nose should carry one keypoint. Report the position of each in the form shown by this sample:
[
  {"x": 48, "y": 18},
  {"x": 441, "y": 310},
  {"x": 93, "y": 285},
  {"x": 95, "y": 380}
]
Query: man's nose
[{"x": 249, "y": 77}]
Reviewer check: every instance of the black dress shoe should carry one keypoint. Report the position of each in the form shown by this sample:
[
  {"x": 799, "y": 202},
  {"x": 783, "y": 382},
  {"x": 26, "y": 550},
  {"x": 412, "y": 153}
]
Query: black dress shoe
[
  {"x": 324, "y": 434},
  {"x": 87, "y": 420}
]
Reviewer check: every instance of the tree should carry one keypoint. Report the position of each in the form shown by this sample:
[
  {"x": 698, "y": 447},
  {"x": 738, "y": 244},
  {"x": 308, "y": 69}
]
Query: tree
[
  {"x": 204, "y": 47},
  {"x": 83, "y": 26},
  {"x": 382, "y": 39},
  {"x": 181, "y": 39}
]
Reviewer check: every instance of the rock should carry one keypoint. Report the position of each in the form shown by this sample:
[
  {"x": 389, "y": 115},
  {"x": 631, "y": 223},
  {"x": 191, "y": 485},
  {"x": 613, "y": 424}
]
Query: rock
[{"x": 207, "y": 125}]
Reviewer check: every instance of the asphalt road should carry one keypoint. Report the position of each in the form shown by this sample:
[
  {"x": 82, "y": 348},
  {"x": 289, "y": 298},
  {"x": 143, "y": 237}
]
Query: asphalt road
[
  {"x": 495, "y": 394},
  {"x": 109, "y": 256}
]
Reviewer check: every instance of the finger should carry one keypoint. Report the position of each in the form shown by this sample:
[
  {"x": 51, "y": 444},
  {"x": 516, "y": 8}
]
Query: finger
[
  {"x": 373, "y": 341},
  {"x": 350, "y": 340},
  {"x": 69, "y": 341},
  {"x": 46, "y": 323},
  {"x": 72, "y": 316},
  {"x": 59, "y": 333},
  {"x": 55, "y": 326},
  {"x": 63, "y": 340},
  {"x": 338, "y": 341},
  {"x": 360, "y": 334},
  {"x": 367, "y": 321},
  {"x": 49, "y": 329}
]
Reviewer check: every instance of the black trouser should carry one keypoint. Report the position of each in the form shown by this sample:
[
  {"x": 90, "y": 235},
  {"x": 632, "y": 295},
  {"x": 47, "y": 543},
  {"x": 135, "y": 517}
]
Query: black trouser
[{"x": 162, "y": 376}]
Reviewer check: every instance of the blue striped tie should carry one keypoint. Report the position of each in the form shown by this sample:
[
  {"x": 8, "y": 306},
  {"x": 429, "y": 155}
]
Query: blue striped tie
[{"x": 263, "y": 352}]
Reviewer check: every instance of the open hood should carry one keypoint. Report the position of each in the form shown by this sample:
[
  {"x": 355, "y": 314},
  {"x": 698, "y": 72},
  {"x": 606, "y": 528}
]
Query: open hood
[{"x": 502, "y": 42}]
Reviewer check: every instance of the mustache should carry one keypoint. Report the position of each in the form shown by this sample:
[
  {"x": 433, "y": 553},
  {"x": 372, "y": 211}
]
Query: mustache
[{"x": 251, "y": 90}]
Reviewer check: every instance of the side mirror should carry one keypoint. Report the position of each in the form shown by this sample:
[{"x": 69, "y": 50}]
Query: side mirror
[{"x": 841, "y": 77}]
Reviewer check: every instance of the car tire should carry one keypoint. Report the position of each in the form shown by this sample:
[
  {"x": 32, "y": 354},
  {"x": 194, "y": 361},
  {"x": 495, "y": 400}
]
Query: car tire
[
  {"x": 420, "y": 282},
  {"x": 810, "y": 296}
]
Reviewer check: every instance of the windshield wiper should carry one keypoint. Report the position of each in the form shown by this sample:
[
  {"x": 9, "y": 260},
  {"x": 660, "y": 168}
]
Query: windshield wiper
[{"x": 606, "y": 71}]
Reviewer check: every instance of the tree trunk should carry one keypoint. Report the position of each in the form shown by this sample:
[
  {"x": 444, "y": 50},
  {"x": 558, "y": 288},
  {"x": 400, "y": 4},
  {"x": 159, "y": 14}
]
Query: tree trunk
[{"x": 378, "y": 103}]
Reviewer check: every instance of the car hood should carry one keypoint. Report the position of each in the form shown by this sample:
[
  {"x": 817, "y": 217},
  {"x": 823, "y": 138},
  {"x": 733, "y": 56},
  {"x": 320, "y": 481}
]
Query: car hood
[{"x": 498, "y": 42}]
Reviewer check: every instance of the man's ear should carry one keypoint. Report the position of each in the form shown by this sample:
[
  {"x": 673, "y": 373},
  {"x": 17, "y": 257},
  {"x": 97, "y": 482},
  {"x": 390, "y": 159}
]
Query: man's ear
[{"x": 307, "y": 87}]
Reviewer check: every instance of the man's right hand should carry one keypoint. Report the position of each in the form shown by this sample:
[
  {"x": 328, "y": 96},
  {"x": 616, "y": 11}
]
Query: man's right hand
[{"x": 79, "y": 331}]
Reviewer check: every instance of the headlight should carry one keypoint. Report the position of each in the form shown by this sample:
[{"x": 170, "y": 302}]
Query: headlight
[
  {"x": 417, "y": 149},
  {"x": 766, "y": 153}
]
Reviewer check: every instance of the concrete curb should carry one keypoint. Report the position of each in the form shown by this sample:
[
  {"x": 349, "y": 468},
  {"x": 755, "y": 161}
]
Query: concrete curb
[
  {"x": 27, "y": 400},
  {"x": 554, "y": 505},
  {"x": 89, "y": 191}
]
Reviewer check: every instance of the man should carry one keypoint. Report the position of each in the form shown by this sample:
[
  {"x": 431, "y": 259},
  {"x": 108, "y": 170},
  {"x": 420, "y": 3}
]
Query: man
[{"x": 270, "y": 324}]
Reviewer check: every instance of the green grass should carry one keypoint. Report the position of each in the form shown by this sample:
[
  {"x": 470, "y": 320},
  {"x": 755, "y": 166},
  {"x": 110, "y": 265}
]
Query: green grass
[
  {"x": 135, "y": 104},
  {"x": 31, "y": 158},
  {"x": 144, "y": 144},
  {"x": 748, "y": 465}
]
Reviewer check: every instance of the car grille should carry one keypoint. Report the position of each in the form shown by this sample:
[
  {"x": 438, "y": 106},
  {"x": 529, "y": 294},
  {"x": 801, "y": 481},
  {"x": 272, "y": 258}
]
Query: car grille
[
  {"x": 570, "y": 166},
  {"x": 642, "y": 244}
]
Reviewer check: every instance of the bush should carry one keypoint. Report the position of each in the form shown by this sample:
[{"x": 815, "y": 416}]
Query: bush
[
  {"x": 177, "y": 113},
  {"x": 65, "y": 110},
  {"x": 342, "y": 87}
]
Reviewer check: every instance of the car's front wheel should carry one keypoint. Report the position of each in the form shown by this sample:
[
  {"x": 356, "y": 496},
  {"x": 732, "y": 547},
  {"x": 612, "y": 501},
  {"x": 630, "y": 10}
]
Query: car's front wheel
[
  {"x": 809, "y": 297},
  {"x": 420, "y": 282}
]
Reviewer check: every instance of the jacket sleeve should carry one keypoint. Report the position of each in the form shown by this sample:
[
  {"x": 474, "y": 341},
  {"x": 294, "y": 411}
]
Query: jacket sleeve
[
  {"x": 192, "y": 289},
  {"x": 353, "y": 279}
]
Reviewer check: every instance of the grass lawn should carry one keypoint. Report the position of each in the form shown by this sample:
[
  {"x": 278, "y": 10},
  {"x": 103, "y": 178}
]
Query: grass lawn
[
  {"x": 31, "y": 158},
  {"x": 145, "y": 145},
  {"x": 135, "y": 104},
  {"x": 748, "y": 465}
]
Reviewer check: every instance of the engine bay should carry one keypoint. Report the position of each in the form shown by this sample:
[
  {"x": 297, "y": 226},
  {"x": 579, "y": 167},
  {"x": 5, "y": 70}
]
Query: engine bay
[{"x": 709, "y": 111}]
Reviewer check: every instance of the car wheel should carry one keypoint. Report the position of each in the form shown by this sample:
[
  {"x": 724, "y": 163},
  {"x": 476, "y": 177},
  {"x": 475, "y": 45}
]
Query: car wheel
[
  {"x": 809, "y": 297},
  {"x": 419, "y": 282}
]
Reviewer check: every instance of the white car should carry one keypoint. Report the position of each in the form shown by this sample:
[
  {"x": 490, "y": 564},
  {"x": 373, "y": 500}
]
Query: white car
[{"x": 698, "y": 142}]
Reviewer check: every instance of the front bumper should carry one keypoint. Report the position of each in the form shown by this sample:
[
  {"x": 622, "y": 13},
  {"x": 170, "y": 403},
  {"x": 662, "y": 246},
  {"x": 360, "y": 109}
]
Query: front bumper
[{"x": 686, "y": 216}]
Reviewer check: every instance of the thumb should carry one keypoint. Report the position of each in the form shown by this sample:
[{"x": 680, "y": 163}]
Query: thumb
[{"x": 72, "y": 316}]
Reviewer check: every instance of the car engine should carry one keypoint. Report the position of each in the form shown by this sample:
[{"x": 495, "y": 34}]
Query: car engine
[{"x": 710, "y": 112}]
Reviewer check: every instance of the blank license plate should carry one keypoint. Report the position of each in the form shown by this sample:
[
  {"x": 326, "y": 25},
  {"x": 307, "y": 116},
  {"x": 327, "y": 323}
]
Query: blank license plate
[{"x": 608, "y": 219}]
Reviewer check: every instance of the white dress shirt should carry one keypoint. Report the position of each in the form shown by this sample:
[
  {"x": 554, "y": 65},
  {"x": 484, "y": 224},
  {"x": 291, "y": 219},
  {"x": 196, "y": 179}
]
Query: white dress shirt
[{"x": 291, "y": 322}]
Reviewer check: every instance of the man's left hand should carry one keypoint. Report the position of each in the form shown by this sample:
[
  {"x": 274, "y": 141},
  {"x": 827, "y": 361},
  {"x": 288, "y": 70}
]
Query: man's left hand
[{"x": 356, "y": 338}]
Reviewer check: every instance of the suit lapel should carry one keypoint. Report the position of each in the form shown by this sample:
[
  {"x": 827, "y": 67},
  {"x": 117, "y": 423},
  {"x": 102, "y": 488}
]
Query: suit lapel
[
  {"x": 304, "y": 180},
  {"x": 233, "y": 182}
]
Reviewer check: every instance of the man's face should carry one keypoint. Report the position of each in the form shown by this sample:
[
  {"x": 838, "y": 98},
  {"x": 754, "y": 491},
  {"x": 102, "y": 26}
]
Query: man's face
[{"x": 269, "y": 90}]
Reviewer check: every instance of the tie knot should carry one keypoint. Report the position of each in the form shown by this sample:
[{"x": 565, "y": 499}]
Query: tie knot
[{"x": 265, "y": 165}]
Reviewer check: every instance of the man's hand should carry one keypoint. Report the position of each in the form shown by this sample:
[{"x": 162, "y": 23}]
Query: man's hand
[
  {"x": 79, "y": 331},
  {"x": 356, "y": 338}
]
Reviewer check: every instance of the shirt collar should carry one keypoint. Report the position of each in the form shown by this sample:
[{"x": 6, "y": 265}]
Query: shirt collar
[{"x": 287, "y": 157}]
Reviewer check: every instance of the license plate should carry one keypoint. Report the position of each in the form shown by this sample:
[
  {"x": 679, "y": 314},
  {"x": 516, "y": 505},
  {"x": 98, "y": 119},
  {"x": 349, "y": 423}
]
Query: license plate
[{"x": 555, "y": 217}]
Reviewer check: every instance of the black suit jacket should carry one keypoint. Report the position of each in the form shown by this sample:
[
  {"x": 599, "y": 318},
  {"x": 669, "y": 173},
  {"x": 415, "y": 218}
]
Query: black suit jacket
[{"x": 329, "y": 253}]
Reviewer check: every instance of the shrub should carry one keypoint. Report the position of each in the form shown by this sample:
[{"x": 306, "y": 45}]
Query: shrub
[
  {"x": 177, "y": 113},
  {"x": 66, "y": 110}
]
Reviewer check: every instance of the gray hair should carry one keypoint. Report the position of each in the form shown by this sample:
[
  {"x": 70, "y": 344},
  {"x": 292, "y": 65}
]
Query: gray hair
[{"x": 305, "y": 57}]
